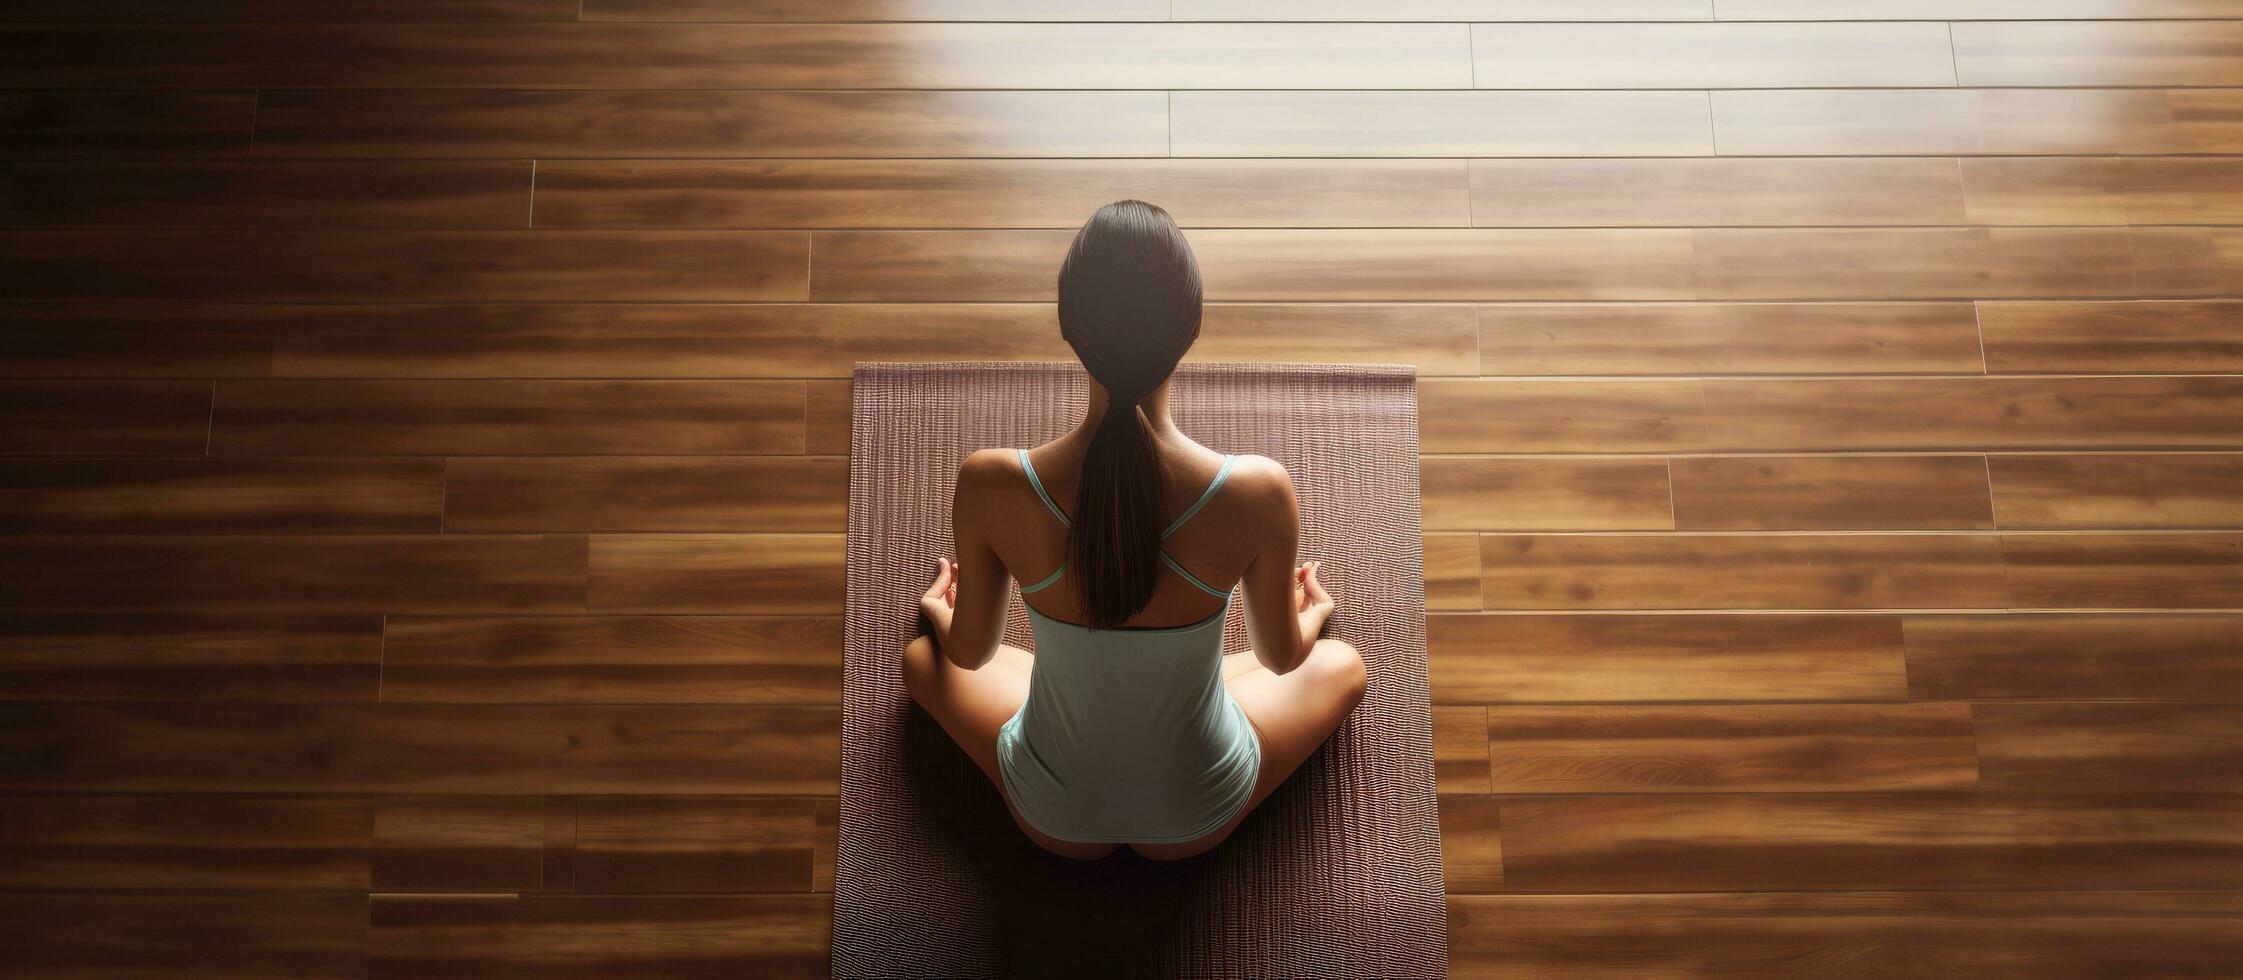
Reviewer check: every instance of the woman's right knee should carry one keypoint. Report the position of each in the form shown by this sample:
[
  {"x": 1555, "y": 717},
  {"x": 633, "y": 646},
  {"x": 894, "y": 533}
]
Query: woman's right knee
[
  {"x": 1335, "y": 665},
  {"x": 919, "y": 664}
]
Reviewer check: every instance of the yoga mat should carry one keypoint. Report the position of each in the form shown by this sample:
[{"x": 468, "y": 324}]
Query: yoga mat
[{"x": 1337, "y": 874}]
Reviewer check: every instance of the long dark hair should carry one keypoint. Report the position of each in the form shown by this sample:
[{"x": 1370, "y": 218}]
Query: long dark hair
[{"x": 1129, "y": 303}]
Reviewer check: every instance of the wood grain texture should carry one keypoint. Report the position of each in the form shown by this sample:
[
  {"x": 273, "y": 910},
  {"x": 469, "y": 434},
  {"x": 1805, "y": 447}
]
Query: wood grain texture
[
  {"x": 1915, "y": 263},
  {"x": 1871, "y": 122},
  {"x": 1693, "y": 571},
  {"x": 1712, "y": 191},
  {"x": 964, "y": 193},
  {"x": 104, "y": 417},
  {"x": 284, "y": 11},
  {"x": 459, "y": 843},
  {"x": 851, "y": 10},
  {"x": 2120, "y": 413},
  {"x": 2146, "y": 491},
  {"x": 2181, "y": 336},
  {"x": 1831, "y": 493},
  {"x": 1770, "y": 748},
  {"x": 1852, "y": 414},
  {"x": 268, "y": 194},
  {"x": 268, "y": 843},
  {"x": 295, "y": 573},
  {"x": 2131, "y": 571},
  {"x": 1679, "y": 842},
  {"x": 760, "y": 56},
  {"x": 2076, "y": 656},
  {"x": 2057, "y": 935},
  {"x": 1522, "y": 10},
  {"x": 1709, "y": 55},
  {"x": 132, "y": 340},
  {"x": 185, "y": 935},
  {"x": 646, "y": 493},
  {"x": 1728, "y": 338},
  {"x": 76, "y": 124},
  {"x": 407, "y": 748},
  {"x": 827, "y": 423},
  {"x": 1460, "y": 748},
  {"x": 1968, "y": 9},
  {"x": 1468, "y": 493},
  {"x": 1467, "y": 416},
  {"x": 759, "y": 573},
  {"x": 2059, "y": 747},
  {"x": 283, "y": 418},
  {"x": 1495, "y": 659},
  {"x": 612, "y": 659},
  {"x": 1452, "y": 571},
  {"x": 722, "y": 844},
  {"x": 154, "y": 496},
  {"x": 2101, "y": 191},
  {"x": 571, "y": 936},
  {"x": 701, "y": 123},
  {"x": 2099, "y": 53},
  {"x": 1419, "y": 124},
  {"x": 285, "y": 267},
  {"x": 1472, "y": 843},
  {"x": 112, "y": 656}
]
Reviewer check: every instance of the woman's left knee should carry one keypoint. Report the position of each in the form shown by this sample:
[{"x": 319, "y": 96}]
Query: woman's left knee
[
  {"x": 919, "y": 663},
  {"x": 1337, "y": 663}
]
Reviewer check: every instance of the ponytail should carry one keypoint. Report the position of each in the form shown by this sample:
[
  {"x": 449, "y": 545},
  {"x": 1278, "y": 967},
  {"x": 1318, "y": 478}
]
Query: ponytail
[{"x": 1114, "y": 543}]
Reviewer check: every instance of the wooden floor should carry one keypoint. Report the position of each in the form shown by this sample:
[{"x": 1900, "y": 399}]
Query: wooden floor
[{"x": 427, "y": 435}]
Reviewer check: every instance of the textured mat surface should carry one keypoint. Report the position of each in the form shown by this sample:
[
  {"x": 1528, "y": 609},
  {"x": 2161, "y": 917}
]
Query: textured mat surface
[{"x": 1337, "y": 874}]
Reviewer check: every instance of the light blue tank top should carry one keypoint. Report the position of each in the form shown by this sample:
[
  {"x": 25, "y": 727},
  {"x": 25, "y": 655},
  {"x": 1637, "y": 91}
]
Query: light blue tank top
[{"x": 1128, "y": 735}]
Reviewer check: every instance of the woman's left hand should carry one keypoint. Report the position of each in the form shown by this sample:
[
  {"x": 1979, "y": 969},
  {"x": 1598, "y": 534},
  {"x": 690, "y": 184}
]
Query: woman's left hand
[{"x": 941, "y": 599}]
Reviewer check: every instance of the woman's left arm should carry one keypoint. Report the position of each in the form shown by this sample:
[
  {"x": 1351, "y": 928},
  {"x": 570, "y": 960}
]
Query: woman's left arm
[{"x": 967, "y": 600}]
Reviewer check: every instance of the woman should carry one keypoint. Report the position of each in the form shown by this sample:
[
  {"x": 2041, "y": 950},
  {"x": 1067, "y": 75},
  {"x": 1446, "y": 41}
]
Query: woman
[{"x": 1129, "y": 725}]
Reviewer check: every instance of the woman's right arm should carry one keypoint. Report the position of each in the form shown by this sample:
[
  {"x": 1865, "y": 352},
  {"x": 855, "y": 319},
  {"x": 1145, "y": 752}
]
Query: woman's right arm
[{"x": 1286, "y": 606}]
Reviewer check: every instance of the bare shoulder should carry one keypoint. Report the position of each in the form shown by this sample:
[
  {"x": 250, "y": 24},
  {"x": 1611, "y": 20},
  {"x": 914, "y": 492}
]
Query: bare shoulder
[
  {"x": 983, "y": 478},
  {"x": 1263, "y": 484}
]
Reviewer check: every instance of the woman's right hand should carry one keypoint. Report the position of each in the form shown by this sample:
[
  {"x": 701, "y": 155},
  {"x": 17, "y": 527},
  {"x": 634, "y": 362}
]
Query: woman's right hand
[{"x": 1311, "y": 601}]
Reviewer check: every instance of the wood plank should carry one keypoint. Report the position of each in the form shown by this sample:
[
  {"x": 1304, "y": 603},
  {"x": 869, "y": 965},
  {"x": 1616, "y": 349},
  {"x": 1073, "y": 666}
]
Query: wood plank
[
  {"x": 807, "y": 340},
  {"x": 1520, "y": 10},
  {"x": 1789, "y": 748},
  {"x": 2166, "y": 491},
  {"x": 1712, "y": 191},
  {"x": 613, "y": 659},
  {"x": 132, "y": 340},
  {"x": 2076, "y": 656},
  {"x": 1831, "y": 493},
  {"x": 1452, "y": 571},
  {"x": 2054, "y": 936},
  {"x": 1493, "y": 659},
  {"x": 698, "y": 123},
  {"x": 844, "y": 10},
  {"x": 281, "y": 418},
  {"x": 647, "y": 493},
  {"x": 2099, "y": 53},
  {"x": 2177, "y": 336},
  {"x": 420, "y": 748},
  {"x": 722, "y": 844},
  {"x": 386, "y": 573},
  {"x": 1460, "y": 748},
  {"x": 262, "y": 11},
  {"x": 108, "y": 656},
  {"x": 42, "y": 124},
  {"x": 1683, "y": 55},
  {"x": 459, "y": 843},
  {"x": 1968, "y": 9},
  {"x": 1777, "y": 122},
  {"x": 255, "y": 937},
  {"x": 1698, "y": 571},
  {"x": 2060, "y": 747},
  {"x": 81, "y": 842},
  {"x": 1912, "y": 263},
  {"x": 2050, "y": 570},
  {"x": 2120, "y": 413},
  {"x": 1423, "y": 124},
  {"x": 104, "y": 417},
  {"x": 829, "y": 418},
  {"x": 734, "y": 573},
  {"x": 267, "y": 194},
  {"x": 1852, "y": 414},
  {"x": 1471, "y": 843},
  {"x": 1252, "y": 264},
  {"x": 1728, "y": 338},
  {"x": 996, "y": 193},
  {"x": 1469, "y": 493},
  {"x": 747, "y": 56},
  {"x": 1681, "y": 842},
  {"x": 1509, "y": 415},
  {"x": 2102, "y": 191},
  {"x": 186, "y": 495},
  {"x": 283, "y": 267},
  {"x": 566, "y": 937},
  {"x": 2183, "y": 261}
]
